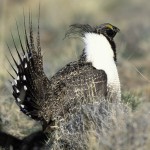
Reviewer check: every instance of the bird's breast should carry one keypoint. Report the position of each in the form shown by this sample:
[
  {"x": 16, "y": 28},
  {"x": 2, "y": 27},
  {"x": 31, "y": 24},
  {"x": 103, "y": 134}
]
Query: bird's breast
[{"x": 113, "y": 82}]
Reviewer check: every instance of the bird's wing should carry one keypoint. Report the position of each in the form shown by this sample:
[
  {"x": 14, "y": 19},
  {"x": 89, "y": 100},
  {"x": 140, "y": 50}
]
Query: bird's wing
[
  {"x": 31, "y": 83},
  {"x": 75, "y": 84}
]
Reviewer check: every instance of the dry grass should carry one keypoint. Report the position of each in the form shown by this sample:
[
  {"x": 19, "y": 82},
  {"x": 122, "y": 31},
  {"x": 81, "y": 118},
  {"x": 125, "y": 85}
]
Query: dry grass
[
  {"x": 104, "y": 126},
  {"x": 127, "y": 130},
  {"x": 90, "y": 127}
]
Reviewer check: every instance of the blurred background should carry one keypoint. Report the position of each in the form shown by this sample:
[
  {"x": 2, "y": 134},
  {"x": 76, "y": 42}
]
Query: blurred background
[{"x": 133, "y": 44}]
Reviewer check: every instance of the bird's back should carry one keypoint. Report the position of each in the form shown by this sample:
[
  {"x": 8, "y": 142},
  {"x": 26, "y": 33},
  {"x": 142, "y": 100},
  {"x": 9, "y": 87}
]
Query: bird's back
[{"x": 76, "y": 84}]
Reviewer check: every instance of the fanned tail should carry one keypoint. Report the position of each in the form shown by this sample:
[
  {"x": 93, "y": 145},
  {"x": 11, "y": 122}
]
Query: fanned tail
[{"x": 29, "y": 87}]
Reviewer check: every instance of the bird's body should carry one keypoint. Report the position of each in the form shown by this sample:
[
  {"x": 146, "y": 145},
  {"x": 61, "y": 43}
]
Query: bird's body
[
  {"x": 93, "y": 76},
  {"x": 76, "y": 84}
]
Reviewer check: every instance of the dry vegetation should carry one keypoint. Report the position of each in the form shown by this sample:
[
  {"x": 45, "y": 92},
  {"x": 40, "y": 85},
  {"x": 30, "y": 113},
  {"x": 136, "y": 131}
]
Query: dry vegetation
[{"x": 125, "y": 129}]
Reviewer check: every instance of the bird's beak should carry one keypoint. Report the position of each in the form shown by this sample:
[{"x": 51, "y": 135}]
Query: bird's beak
[{"x": 116, "y": 29}]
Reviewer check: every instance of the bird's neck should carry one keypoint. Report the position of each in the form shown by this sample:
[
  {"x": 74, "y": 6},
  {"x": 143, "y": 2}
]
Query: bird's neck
[{"x": 99, "y": 52}]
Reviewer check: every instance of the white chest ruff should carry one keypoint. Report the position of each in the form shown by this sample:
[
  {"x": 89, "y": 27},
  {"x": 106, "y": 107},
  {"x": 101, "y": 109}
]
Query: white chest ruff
[
  {"x": 113, "y": 82},
  {"x": 100, "y": 54}
]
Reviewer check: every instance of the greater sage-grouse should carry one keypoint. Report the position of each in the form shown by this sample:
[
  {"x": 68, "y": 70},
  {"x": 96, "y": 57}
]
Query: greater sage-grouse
[{"x": 93, "y": 75}]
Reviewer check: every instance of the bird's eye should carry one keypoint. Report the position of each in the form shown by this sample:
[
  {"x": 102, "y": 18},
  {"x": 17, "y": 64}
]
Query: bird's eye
[{"x": 110, "y": 32}]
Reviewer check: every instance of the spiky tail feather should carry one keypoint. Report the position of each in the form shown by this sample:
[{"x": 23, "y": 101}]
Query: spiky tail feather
[{"x": 30, "y": 84}]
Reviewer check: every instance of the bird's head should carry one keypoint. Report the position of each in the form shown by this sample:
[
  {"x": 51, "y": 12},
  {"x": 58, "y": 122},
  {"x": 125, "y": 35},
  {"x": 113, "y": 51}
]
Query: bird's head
[
  {"x": 101, "y": 36},
  {"x": 108, "y": 30}
]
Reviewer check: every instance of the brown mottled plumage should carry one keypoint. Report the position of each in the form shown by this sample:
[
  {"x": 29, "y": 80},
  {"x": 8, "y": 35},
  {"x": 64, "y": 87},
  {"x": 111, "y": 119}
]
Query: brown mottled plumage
[{"x": 77, "y": 83}]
